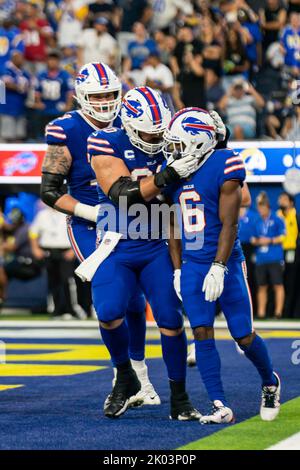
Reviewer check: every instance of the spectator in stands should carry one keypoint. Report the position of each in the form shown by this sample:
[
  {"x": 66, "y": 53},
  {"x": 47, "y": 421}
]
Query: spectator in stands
[
  {"x": 293, "y": 5},
  {"x": 240, "y": 104},
  {"x": 287, "y": 211},
  {"x": 165, "y": 45},
  {"x": 186, "y": 64},
  {"x": 10, "y": 39},
  {"x": 37, "y": 35},
  {"x": 19, "y": 262},
  {"x": 212, "y": 50},
  {"x": 267, "y": 236},
  {"x": 69, "y": 60},
  {"x": 53, "y": 91},
  {"x": 70, "y": 15},
  {"x": 139, "y": 49},
  {"x": 291, "y": 129},
  {"x": 133, "y": 11},
  {"x": 97, "y": 45},
  {"x": 214, "y": 88},
  {"x": 236, "y": 64},
  {"x": 290, "y": 42},
  {"x": 252, "y": 38},
  {"x": 12, "y": 113},
  {"x": 50, "y": 243},
  {"x": 158, "y": 76},
  {"x": 272, "y": 20},
  {"x": 165, "y": 13}
]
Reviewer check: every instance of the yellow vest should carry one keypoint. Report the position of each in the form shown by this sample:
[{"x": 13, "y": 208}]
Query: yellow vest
[{"x": 290, "y": 219}]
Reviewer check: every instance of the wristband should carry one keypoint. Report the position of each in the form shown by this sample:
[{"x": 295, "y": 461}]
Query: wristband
[{"x": 85, "y": 212}]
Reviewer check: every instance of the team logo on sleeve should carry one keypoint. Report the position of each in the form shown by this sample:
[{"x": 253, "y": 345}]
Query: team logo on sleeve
[
  {"x": 82, "y": 76},
  {"x": 194, "y": 126},
  {"x": 133, "y": 108}
]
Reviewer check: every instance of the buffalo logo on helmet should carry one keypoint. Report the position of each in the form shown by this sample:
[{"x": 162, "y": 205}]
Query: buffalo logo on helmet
[
  {"x": 195, "y": 126},
  {"x": 132, "y": 108},
  {"x": 82, "y": 76}
]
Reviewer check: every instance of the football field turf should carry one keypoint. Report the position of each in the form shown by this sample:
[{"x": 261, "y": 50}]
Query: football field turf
[{"x": 55, "y": 379}]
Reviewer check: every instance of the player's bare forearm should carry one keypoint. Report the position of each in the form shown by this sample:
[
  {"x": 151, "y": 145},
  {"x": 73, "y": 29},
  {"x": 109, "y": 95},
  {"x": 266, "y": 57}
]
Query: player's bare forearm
[
  {"x": 66, "y": 204},
  {"x": 229, "y": 207}
]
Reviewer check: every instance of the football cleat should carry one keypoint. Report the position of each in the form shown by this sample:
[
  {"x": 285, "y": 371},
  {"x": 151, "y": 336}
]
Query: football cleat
[
  {"x": 270, "y": 401},
  {"x": 117, "y": 401},
  {"x": 220, "y": 414},
  {"x": 191, "y": 358},
  {"x": 147, "y": 395},
  {"x": 182, "y": 409}
]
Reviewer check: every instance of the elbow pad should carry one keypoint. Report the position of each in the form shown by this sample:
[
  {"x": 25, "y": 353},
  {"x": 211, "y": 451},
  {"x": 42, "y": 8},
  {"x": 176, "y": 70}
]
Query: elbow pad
[
  {"x": 52, "y": 188},
  {"x": 125, "y": 187}
]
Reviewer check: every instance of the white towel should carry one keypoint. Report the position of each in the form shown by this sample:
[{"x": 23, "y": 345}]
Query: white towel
[{"x": 89, "y": 266}]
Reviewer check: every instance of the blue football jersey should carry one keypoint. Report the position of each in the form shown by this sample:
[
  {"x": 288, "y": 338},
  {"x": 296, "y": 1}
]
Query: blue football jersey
[
  {"x": 115, "y": 143},
  {"x": 73, "y": 130},
  {"x": 53, "y": 89},
  {"x": 198, "y": 206},
  {"x": 15, "y": 100}
]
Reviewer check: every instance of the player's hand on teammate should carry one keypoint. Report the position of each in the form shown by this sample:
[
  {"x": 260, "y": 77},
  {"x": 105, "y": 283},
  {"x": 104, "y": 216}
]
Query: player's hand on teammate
[
  {"x": 176, "y": 283},
  {"x": 185, "y": 166},
  {"x": 219, "y": 124},
  {"x": 213, "y": 284}
]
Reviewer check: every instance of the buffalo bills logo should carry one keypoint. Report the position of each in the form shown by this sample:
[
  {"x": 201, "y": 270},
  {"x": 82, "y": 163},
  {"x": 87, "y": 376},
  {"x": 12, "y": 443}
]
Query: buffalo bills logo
[
  {"x": 194, "y": 126},
  {"x": 82, "y": 76},
  {"x": 23, "y": 163},
  {"x": 133, "y": 108}
]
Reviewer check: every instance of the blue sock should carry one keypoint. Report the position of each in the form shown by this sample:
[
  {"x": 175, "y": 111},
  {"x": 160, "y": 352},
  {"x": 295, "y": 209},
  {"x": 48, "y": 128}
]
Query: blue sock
[
  {"x": 117, "y": 343},
  {"x": 258, "y": 354},
  {"x": 137, "y": 335},
  {"x": 209, "y": 365},
  {"x": 174, "y": 349}
]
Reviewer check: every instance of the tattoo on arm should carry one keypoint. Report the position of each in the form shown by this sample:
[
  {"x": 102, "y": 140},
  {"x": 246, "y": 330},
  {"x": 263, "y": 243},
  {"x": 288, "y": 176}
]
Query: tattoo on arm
[{"x": 57, "y": 160}]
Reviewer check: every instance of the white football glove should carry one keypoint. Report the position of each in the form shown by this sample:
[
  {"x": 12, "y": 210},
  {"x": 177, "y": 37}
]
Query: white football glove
[
  {"x": 86, "y": 212},
  {"x": 213, "y": 284},
  {"x": 176, "y": 283},
  {"x": 219, "y": 124},
  {"x": 185, "y": 166}
]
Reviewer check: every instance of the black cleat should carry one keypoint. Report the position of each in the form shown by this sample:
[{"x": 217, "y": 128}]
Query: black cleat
[
  {"x": 117, "y": 401},
  {"x": 182, "y": 409}
]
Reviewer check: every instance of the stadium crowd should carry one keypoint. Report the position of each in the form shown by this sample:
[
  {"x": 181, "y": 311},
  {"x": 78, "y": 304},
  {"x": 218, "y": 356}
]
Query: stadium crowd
[{"x": 241, "y": 58}]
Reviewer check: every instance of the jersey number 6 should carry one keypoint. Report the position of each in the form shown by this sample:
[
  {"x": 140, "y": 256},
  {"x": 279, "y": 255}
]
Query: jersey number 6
[{"x": 193, "y": 217}]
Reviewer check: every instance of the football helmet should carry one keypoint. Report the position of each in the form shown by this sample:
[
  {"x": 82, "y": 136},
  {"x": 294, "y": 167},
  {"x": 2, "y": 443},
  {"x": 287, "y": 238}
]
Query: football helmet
[
  {"x": 192, "y": 131},
  {"x": 98, "y": 78},
  {"x": 144, "y": 110}
]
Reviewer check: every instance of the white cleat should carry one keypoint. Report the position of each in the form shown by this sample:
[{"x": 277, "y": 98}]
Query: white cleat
[
  {"x": 221, "y": 414},
  {"x": 191, "y": 358},
  {"x": 147, "y": 395},
  {"x": 270, "y": 401}
]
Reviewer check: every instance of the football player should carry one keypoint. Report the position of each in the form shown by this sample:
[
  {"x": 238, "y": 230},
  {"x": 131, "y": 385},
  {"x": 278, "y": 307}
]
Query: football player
[
  {"x": 125, "y": 162},
  {"x": 98, "y": 93},
  {"x": 213, "y": 264}
]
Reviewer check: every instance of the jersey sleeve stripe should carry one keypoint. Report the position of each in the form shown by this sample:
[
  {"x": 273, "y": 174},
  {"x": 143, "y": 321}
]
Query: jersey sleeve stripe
[
  {"x": 233, "y": 168},
  {"x": 233, "y": 159},
  {"x": 54, "y": 128},
  {"x": 100, "y": 149},
  {"x": 56, "y": 134},
  {"x": 98, "y": 141}
]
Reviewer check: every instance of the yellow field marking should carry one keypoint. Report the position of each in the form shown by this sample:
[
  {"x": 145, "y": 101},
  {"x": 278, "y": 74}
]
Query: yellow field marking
[
  {"x": 67, "y": 352},
  {"x": 39, "y": 370},
  {"x": 7, "y": 387}
]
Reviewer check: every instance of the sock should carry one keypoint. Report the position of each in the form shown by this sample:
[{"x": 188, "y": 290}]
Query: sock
[
  {"x": 209, "y": 366},
  {"x": 258, "y": 354},
  {"x": 137, "y": 335},
  {"x": 117, "y": 343},
  {"x": 174, "y": 350}
]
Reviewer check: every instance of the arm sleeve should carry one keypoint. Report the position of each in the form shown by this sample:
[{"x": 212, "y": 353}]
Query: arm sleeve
[
  {"x": 100, "y": 144},
  {"x": 233, "y": 168}
]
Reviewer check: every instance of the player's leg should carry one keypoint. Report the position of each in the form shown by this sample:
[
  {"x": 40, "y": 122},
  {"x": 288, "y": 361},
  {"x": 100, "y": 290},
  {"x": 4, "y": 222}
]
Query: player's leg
[
  {"x": 276, "y": 280},
  {"x": 112, "y": 286},
  {"x": 156, "y": 280},
  {"x": 136, "y": 321},
  {"x": 261, "y": 274},
  {"x": 201, "y": 315},
  {"x": 237, "y": 307}
]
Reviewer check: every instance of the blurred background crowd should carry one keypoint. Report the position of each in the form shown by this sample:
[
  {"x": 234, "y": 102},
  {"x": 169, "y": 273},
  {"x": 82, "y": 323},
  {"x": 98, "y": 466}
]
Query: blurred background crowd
[{"x": 239, "y": 57}]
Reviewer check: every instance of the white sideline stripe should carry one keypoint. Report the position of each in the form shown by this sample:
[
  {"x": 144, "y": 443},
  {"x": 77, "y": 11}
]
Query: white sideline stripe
[
  {"x": 92, "y": 324},
  {"x": 291, "y": 443},
  {"x": 62, "y": 333}
]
